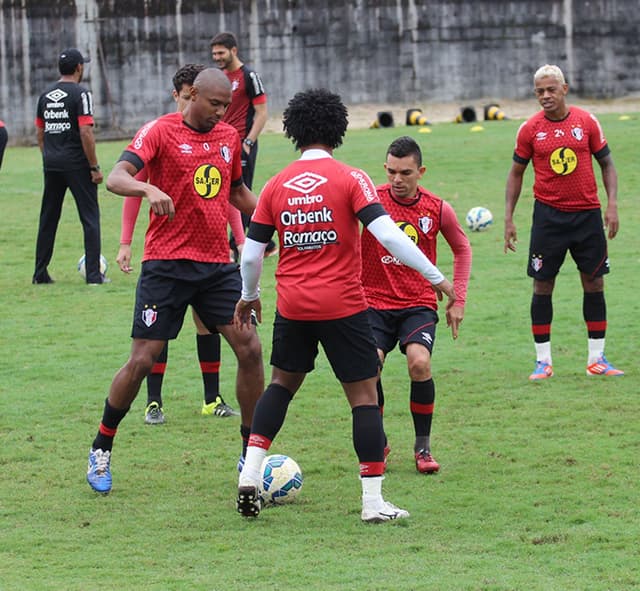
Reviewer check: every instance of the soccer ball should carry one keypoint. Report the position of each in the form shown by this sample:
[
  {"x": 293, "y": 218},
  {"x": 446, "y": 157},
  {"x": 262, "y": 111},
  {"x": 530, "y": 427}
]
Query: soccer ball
[
  {"x": 83, "y": 271},
  {"x": 281, "y": 479},
  {"x": 479, "y": 219}
]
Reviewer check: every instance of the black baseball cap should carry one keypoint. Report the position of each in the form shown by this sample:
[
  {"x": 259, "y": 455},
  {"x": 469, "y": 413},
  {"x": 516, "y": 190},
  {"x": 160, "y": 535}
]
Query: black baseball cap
[{"x": 70, "y": 58}]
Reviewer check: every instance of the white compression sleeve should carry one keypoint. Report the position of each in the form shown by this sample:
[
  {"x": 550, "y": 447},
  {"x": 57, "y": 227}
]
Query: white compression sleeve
[
  {"x": 400, "y": 246},
  {"x": 251, "y": 268}
]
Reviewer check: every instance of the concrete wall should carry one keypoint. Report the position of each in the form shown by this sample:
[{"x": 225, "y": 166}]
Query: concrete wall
[{"x": 367, "y": 50}]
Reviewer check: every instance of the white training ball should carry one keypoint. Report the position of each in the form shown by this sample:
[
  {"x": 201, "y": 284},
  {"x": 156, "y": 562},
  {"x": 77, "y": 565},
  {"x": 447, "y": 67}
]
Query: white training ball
[
  {"x": 281, "y": 479},
  {"x": 104, "y": 265},
  {"x": 479, "y": 219}
]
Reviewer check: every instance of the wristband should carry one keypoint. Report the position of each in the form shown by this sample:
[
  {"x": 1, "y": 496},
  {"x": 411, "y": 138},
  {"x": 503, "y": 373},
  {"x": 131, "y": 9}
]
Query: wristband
[
  {"x": 95, "y": 168},
  {"x": 249, "y": 142}
]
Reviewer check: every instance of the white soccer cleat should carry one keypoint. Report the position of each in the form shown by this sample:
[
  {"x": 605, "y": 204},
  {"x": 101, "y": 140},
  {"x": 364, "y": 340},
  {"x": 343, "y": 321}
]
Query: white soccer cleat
[{"x": 385, "y": 512}]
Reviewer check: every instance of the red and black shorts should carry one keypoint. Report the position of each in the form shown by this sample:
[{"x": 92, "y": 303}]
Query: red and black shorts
[
  {"x": 347, "y": 342},
  {"x": 404, "y": 326},
  {"x": 166, "y": 288},
  {"x": 554, "y": 232}
]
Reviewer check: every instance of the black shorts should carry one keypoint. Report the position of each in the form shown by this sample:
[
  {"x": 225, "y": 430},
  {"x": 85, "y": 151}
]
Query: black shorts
[
  {"x": 166, "y": 288},
  {"x": 554, "y": 232},
  {"x": 347, "y": 342},
  {"x": 409, "y": 325}
]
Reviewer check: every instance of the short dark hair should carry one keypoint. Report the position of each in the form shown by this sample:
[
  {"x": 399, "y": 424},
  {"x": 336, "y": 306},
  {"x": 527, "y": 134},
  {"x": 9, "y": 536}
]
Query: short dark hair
[
  {"x": 406, "y": 146},
  {"x": 227, "y": 39},
  {"x": 186, "y": 75},
  {"x": 315, "y": 116}
]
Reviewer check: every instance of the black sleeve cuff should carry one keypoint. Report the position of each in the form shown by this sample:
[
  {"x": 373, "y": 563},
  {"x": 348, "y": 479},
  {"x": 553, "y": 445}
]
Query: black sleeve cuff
[
  {"x": 132, "y": 158},
  {"x": 260, "y": 232},
  {"x": 370, "y": 212}
]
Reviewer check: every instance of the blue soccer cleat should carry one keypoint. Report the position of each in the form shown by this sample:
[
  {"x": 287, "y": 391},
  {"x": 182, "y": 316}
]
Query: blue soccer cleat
[
  {"x": 603, "y": 368},
  {"x": 542, "y": 371},
  {"x": 99, "y": 470}
]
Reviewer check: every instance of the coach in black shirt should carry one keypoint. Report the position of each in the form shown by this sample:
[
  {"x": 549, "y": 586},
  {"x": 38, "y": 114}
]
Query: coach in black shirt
[{"x": 64, "y": 126}]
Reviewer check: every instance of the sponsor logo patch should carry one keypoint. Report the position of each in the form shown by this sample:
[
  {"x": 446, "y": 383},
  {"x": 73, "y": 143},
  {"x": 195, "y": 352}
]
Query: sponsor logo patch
[
  {"x": 207, "y": 181},
  {"x": 305, "y": 182}
]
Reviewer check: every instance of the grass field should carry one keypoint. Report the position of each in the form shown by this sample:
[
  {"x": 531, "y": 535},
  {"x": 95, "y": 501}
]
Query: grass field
[{"x": 539, "y": 482}]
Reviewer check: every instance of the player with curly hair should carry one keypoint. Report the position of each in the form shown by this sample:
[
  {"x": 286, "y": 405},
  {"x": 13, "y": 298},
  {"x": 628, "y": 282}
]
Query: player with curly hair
[{"x": 316, "y": 205}]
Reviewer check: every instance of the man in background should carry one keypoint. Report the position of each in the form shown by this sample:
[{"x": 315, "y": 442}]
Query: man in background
[
  {"x": 64, "y": 128},
  {"x": 247, "y": 112}
]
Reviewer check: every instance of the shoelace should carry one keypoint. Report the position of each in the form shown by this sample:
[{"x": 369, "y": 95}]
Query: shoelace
[{"x": 102, "y": 461}]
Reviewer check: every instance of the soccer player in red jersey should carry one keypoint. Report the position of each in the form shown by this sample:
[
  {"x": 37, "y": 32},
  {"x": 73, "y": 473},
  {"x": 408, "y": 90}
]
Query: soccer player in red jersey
[
  {"x": 207, "y": 343},
  {"x": 560, "y": 140},
  {"x": 402, "y": 306},
  {"x": 193, "y": 162},
  {"x": 315, "y": 204}
]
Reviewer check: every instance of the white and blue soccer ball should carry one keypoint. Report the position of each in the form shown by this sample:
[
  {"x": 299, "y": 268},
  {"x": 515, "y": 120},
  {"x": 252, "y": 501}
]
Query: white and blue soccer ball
[
  {"x": 479, "y": 219},
  {"x": 104, "y": 265},
  {"x": 281, "y": 479}
]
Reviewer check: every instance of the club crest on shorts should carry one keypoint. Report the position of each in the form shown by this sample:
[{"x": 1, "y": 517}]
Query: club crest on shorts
[
  {"x": 149, "y": 315},
  {"x": 536, "y": 262}
]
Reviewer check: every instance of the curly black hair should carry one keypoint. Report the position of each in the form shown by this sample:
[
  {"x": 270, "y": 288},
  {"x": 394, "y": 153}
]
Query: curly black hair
[
  {"x": 315, "y": 116},
  {"x": 186, "y": 75}
]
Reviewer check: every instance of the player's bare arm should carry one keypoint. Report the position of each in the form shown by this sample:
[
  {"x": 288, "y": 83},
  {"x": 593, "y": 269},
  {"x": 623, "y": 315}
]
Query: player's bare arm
[
  {"x": 89, "y": 147},
  {"x": 243, "y": 198},
  {"x": 259, "y": 121},
  {"x": 610, "y": 182},
  {"x": 512, "y": 194},
  {"x": 121, "y": 181}
]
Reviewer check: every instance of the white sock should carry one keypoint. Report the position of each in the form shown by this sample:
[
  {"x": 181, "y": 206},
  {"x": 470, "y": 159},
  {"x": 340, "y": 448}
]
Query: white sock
[
  {"x": 543, "y": 352},
  {"x": 596, "y": 349},
  {"x": 252, "y": 462},
  {"x": 372, "y": 491}
]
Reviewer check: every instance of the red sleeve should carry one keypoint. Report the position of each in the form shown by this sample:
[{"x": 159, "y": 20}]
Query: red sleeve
[
  {"x": 259, "y": 100},
  {"x": 85, "y": 120},
  {"x": 523, "y": 142},
  {"x": 130, "y": 210},
  {"x": 459, "y": 244},
  {"x": 236, "y": 171},
  {"x": 597, "y": 141},
  {"x": 235, "y": 221},
  {"x": 39, "y": 122}
]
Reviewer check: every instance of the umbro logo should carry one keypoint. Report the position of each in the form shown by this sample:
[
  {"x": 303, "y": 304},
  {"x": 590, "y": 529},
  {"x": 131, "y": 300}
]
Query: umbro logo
[
  {"x": 185, "y": 148},
  {"x": 305, "y": 182},
  {"x": 56, "y": 95}
]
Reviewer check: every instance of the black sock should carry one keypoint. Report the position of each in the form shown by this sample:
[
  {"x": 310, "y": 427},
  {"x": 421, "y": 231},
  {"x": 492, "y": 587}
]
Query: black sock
[
  {"x": 422, "y": 399},
  {"x": 209, "y": 357},
  {"x": 541, "y": 317},
  {"x": 271, "y": 411},
  {"x": 368, "y": 436},
  {"x": 594, "y": 311},
  {"x": 155, "y": 378},
  {"x": 111, "y": 418}
]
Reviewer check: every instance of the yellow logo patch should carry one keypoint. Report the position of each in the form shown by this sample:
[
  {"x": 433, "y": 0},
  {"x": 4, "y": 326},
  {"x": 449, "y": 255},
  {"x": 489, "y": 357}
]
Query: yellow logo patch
[
  {"x": 207, "y": 181},
  {"x": 563, "y": 161},
  {"x": 410, "y": 230}
]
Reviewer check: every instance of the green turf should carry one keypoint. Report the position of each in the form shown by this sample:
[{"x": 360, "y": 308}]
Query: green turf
[{"x": 539, "y": 482}]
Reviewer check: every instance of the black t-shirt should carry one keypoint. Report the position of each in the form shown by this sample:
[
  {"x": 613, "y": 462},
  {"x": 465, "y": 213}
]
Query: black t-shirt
[{"x": 62, "y": 108}]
